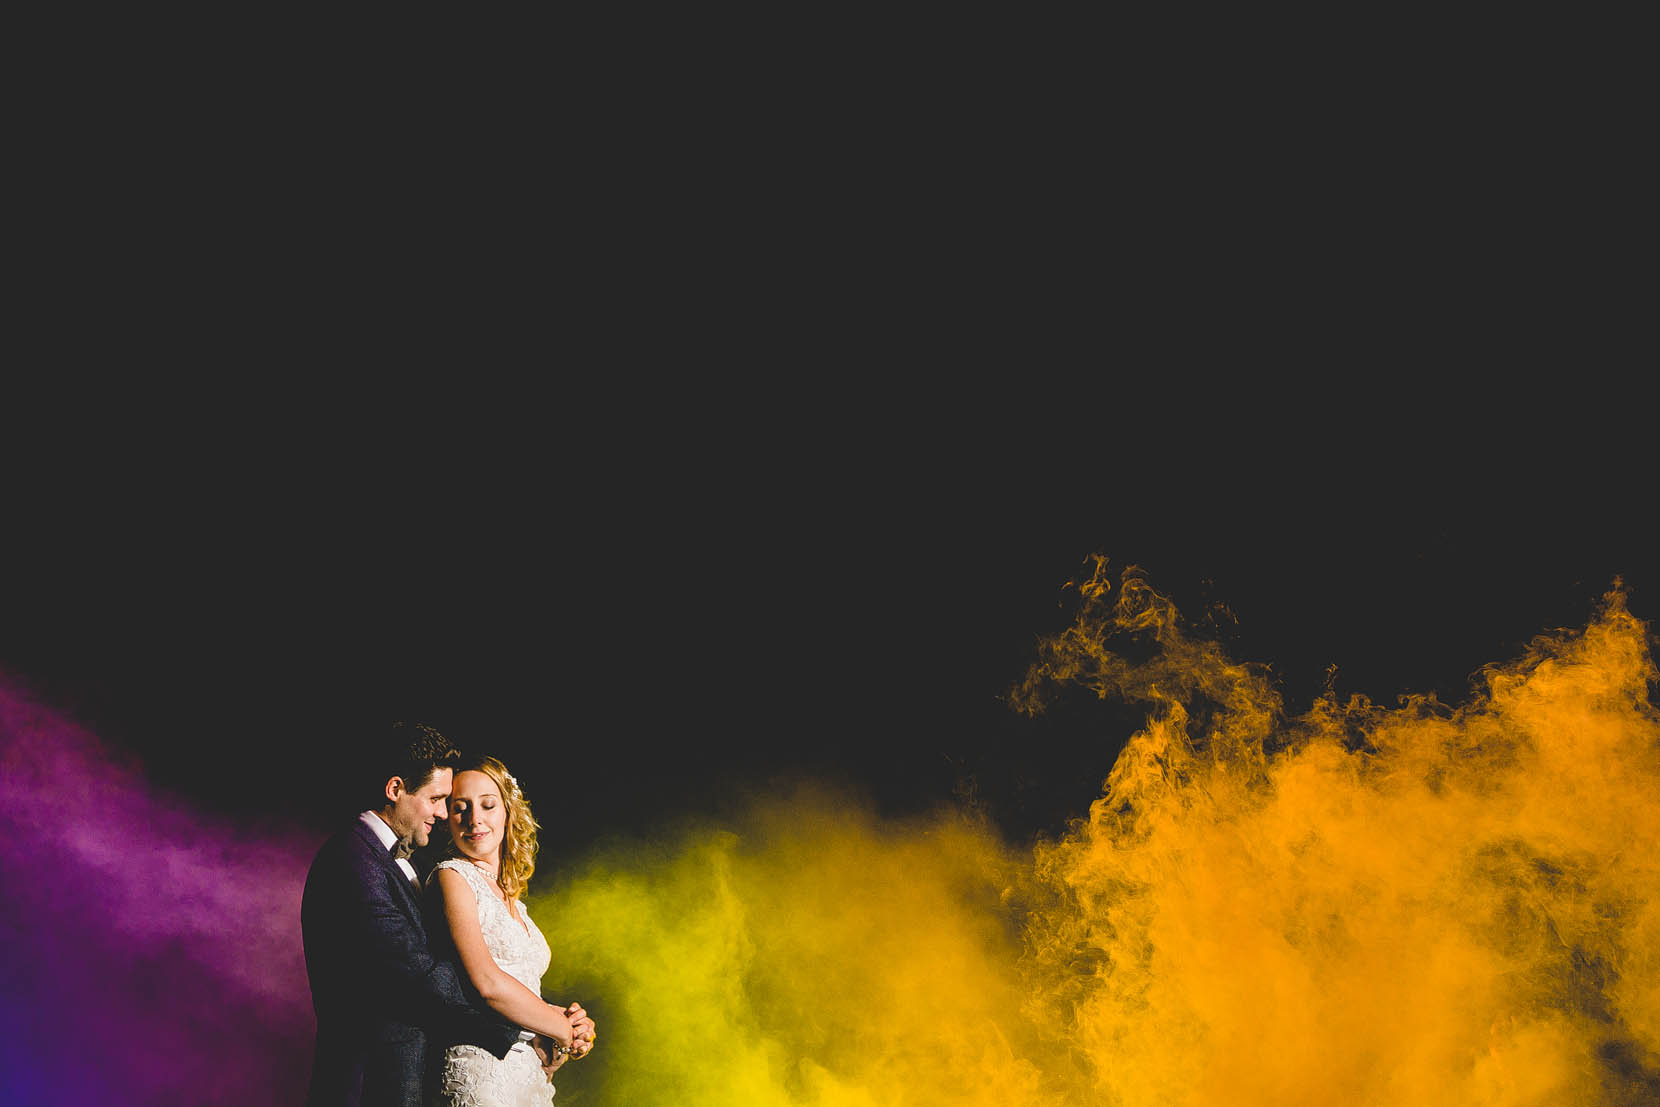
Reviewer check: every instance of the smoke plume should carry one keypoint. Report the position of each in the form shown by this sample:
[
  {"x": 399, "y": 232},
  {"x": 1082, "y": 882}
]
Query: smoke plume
[{"x": 1422, "y": 904}]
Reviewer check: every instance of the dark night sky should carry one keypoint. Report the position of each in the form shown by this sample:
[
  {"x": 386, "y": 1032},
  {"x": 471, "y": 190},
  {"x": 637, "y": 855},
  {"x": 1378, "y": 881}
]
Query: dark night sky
[
  {"x": 667, "y": 479},
  {"x": 657, "y": 607}
]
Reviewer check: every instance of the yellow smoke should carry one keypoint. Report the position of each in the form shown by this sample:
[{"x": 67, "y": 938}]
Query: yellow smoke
[
  {"x": 819, "y": 957},
  {"x": 1361, "y": 905}
]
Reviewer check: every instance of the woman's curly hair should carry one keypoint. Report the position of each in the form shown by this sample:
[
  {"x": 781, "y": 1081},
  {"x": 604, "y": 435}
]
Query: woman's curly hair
[{"x": 518, "y": 846}]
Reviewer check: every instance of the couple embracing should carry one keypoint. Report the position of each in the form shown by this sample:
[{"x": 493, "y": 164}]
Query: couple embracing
[{"x": 430, "y": 996}]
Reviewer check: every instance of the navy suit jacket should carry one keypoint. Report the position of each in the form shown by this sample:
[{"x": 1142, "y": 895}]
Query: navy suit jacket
[{"x": 385, "y": 1004}]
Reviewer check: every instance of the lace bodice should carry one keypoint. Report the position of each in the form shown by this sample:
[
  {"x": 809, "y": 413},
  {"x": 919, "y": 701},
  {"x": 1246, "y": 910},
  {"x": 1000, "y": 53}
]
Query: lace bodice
[
  {"x": 512, "y": 939},
  {"x": 471, "y": 1077}
]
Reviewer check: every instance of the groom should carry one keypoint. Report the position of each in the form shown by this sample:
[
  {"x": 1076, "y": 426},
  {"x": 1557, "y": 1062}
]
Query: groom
[{"x": 383, "y": 1001}]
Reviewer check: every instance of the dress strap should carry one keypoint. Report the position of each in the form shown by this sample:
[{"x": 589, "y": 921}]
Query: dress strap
[{"x": 467, "y": 869}]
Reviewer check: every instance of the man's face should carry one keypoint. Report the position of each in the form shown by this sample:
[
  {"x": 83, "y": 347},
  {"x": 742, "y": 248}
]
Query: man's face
[{"x": 413, "y": 813}]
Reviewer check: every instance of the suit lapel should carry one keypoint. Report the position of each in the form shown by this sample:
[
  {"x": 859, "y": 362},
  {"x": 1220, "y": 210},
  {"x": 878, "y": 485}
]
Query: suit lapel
[{"x": 394, "y": 875}]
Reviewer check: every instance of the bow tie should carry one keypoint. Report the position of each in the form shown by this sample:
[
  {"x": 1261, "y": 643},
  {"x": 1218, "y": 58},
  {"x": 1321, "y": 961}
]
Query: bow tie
[{"x": 401, "y": 849}]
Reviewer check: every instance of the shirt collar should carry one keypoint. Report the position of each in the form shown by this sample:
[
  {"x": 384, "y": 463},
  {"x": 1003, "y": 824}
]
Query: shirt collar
[{"x": 378, "y": 825}]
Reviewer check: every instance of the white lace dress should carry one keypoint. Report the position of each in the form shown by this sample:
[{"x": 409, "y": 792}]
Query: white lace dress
[{"x": 473, "y": 1077}]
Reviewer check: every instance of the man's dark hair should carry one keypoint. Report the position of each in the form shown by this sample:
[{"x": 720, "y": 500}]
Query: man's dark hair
[{"x": 411, "y": 751}]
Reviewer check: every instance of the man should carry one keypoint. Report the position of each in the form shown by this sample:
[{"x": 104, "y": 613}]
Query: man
[{"x": 383, "y": 1001}]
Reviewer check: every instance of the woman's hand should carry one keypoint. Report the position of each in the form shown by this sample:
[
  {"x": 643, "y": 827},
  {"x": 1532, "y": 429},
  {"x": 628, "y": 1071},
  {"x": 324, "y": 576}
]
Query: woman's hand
[
  {"x": 549, "y": 1053},
  {"x": 582, "y": 1030}
]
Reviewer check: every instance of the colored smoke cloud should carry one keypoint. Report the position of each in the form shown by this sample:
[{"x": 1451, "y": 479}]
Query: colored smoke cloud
[
  {"x": 817, "y": 955},
  {"x": 152, "y": 953},
  {"x": 1361, "y": 905}
]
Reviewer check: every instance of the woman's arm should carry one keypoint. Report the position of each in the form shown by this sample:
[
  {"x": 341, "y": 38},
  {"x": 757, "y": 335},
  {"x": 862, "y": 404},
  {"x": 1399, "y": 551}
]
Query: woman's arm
[{"x": 506, "y": 996}]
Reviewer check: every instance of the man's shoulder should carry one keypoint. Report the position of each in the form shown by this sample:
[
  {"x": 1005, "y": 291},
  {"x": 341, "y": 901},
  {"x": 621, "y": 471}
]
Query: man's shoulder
[
  {"x": 351, "y": 844},
  {"x": 345, "y": 870}
]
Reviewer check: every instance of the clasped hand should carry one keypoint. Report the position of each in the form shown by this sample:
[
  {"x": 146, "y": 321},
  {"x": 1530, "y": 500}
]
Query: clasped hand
[{"x": 582, "y": 1041}]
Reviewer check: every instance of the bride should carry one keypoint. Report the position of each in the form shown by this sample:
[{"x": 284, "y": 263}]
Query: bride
[{"x": 493, "y": 850}]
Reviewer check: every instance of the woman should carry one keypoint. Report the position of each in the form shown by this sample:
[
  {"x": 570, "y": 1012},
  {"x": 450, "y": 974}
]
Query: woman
[{"x": 492, "y": 854}]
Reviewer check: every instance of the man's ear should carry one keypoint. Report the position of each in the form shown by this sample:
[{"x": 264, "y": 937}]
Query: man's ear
[{"x": 394, "y": 788}]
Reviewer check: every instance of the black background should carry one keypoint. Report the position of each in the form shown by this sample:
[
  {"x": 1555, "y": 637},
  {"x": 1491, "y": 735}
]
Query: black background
[
  {"x": 643, "y": 630},
  {"x": 724, "y": 439}
]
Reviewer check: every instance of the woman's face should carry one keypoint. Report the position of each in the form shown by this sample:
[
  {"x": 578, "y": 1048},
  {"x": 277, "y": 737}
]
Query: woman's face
[{"x": 478, "y": 817}]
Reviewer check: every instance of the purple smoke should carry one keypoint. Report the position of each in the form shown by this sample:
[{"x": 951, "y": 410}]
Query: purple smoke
[{"x": 152, "y": 953}]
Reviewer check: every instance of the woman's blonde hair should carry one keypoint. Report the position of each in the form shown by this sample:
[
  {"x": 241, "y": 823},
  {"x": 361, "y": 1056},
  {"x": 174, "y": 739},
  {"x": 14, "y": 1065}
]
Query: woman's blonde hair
[{"x": 518, "y": 840}]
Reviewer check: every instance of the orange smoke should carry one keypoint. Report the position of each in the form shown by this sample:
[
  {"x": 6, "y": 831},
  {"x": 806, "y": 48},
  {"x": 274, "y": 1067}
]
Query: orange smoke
[{"x": 1361, "y": 905}]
